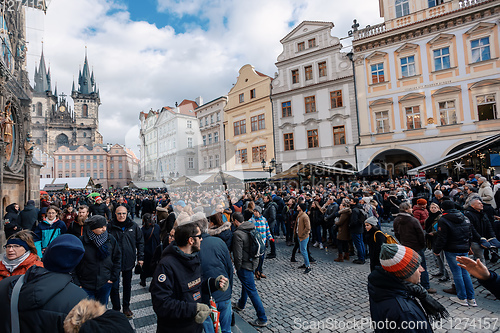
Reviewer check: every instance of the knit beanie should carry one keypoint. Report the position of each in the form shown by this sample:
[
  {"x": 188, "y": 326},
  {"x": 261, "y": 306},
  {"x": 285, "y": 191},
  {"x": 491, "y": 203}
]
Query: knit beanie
[
  {"x": 372, "y": 220},
  {"x": 447, "y": 205},
  {"x": 422, "y": 202},
  {"x": 18, "y": 241},
  {"x": 399, "y": 260},
  {"x": 63, "y": 254},
  {"x": 96, "y": 221},
  {"x": 259, "y": 209}
]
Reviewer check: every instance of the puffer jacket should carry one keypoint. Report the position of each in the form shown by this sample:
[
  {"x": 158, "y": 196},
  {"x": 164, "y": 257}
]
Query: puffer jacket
[
  {"x": 101, "y": 209},
  {"x": 13, "y": 216},
  {"x": 270, "y": 212},
  {"x": 46, "y": 232},
  {"x": 130, "y": 240},
  {"x": 45, "y": 300},
  {"x": 92, "y": 272},
  {"x": 224, "y": 233},
  {"x": 454, "y": 233},
  {"x": 421, "y": 214},
  {"x": 28, "y": 217},
  {"x": 480, "y": 223},
  {"x": 390, "y": 301},
  {"x": 22, "y": 268}
]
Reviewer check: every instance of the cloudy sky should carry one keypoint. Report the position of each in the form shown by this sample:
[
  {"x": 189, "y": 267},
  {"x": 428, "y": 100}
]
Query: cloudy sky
[{"x": 152, "y": 53}]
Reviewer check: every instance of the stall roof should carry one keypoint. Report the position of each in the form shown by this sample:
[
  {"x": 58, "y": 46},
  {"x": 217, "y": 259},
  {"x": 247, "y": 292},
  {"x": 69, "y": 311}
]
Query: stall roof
[
  {"x": 55, "y": 187},
  {"x": 75, "y": 183},
  {"x": 458, "y": 154},
  {"x": 147, "y": 184},
  {"x": 248, "y": 176}
]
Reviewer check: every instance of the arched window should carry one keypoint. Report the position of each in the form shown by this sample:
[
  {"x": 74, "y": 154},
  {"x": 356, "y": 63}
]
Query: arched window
[
  {"x": 84, "y": 134},
  {"x": 62, "y": 140},
  {"x": 85, "y": 111},
  {"x": 39, "y": 109}
]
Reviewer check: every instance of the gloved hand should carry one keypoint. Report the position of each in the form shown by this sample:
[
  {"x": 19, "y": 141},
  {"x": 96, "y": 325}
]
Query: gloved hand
[
  {"x": 494, "y": 242},
  {"x": 484, "y": 243},
  {"x": 202, "y": 313},
  {"x": 224, "y": 286}
]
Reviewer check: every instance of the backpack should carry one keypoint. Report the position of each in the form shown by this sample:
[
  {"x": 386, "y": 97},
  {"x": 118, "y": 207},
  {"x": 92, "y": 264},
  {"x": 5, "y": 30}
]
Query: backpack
[
  {"x": 389, "y": 239},
  {"x": 257, "y": 244}
]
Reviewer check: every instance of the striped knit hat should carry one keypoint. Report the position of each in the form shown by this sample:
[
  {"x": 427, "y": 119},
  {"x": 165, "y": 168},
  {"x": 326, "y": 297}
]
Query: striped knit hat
[{"x": 399, "y": 260}]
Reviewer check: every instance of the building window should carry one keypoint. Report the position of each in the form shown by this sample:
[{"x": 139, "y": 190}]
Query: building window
[
  {"x": 216, "y": 137},
  {"x": 441, "y": 58},
  {"x": 112, "y": 166},
  {"x": 241, "y": 156},
  {"x": 210, "y": 162},
  {"x": 402, "y": 8},
  {"x": 73, "y": 165},
  {"x": 205, "y": 140},
  {"x": 101, "y": 175},
  {"x": 190, "y": 162},
  {"x": 286, "y": 109},
  {"x": 189, "y": 124},
  {"x": 39, "y": 109},
  {"x": 218, "y": 116},
  {"x": 206, "y": 121},
  {"x": 434, "y": 3},
  {"x": 201, "y": 123},
  {"x": 322, "y": 69},
  {"x": 217, "y": 161},
  {"x": 95, "y": 175},
  {"x": 88, "y": 174},
  {"x": 88, "y": 165},
  {"x": 308, "y": 72},
  {"x": 486, "y": 107},
  {"x": 447, "y": 113},
  {"x": 210, "y": 138},
  {"x": 295, "y": 76},
  {"x": 242, "y": 98},
  {"x": 112, "y": 175},
  {"x": 120, "y": 175},
  {"x": 310, "y": 104},
  {"x": 101, "y": 165},
  {"x": 480, "y": 49},
  {"x": 311, "y": 43},
  {"x": 262, "y": 121},
  {"x": 288, "y": 139},
  {"x": 119, "y": 166},
  {"x": 252, "y": 93},
  {"x": 82, "y": 165},
  {"x": 59, "y": 175},
  {"x": 190, "y": 142},
  {"x": 85, "y": 111},
  {"x": 259, "y": 153},
  {"x": 94, "y": 165},
  {"x": 258, "y": 122},
  {"x": 81, "y": 174},
  {"x": 408, "y": 66},
  {"x": 205, "y": 164},
  {"x": 67, "y": 166},
  {"x": 59, "y": 166},
  {"x": 412, "y": 117},
  {"x": 336, "y": 99},
  {"x": 240, "y": 127},
  {"x": 312, "y": 138},
  {"x": 301, "y": 46},
  {"x": 211, "y": 119},
  {"x": 253, "y": 123},
  {"x": 339, "y": 135},
  {"x": 382, "y": 121},
  {"x": 377, "y": 73}
]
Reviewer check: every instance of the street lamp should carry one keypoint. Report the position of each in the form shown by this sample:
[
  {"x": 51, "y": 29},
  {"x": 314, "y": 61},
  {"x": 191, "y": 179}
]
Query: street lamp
[{"x": 270, "y": 168}]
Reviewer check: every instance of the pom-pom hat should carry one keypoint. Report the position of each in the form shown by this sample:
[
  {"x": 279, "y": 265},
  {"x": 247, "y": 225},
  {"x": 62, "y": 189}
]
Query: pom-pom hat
[{"x": 399, "y": 260}]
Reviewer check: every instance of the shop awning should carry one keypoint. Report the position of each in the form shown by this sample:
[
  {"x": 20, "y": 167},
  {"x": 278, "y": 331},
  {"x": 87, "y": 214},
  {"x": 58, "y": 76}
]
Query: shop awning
[
  {"x": 147, "y": 184},
  {"x": 456, "y": 155}
]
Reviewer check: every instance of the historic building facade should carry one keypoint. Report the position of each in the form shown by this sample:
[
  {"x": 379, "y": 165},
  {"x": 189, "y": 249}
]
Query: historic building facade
[
  {"x": 55, "y": 123},
  {"x": 428, "y": 80},
  {"x": 313, "y": 99},
  {"x": 211, "y": 149},
  {"x": 248, "y": 122}
]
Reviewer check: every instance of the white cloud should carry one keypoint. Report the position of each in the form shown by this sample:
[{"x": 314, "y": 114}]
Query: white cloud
[{"x": 139, "y": 66}]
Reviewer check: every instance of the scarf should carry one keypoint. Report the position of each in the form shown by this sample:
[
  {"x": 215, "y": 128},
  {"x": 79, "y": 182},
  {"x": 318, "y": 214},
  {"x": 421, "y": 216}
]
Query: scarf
[
  {"x": 433, "y": 309},
  {"x": 100, "y": 242},
  {"x": 51, "y": 222},
  {"x": 11, "y": 265}
]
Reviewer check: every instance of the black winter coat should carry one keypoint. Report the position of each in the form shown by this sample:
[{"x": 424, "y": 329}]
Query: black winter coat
[
  {"x": 130, "y": 240},
  {"x": 148, "y": 206},
  {"x": 93, "y": 273},
  {"x": 454, "y": 233},
  {"x": 390, "y": 301},
  {"x": 28, "y": 217},
  {"x": 13, "y": 217},
  {"x": 355, "y": 227},
  {"x": 375, "y": 240},
  {"x": 480, "y": 223},
  {"x": 101, "y": 209},
  {"x": 270, "y": 213},
  {"x": 45, "y": 300}
]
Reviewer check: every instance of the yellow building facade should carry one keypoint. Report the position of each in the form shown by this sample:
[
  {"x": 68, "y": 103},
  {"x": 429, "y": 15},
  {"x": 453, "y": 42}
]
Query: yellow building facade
[
  {"x": 248, "y": 121},
  {"x": 428, "y": 80}
]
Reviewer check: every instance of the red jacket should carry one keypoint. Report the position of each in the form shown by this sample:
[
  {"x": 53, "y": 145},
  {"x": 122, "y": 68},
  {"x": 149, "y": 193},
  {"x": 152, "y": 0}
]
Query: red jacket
[
  {"x": 421, "y": 214},
  {"x": 22, "y": 268}
]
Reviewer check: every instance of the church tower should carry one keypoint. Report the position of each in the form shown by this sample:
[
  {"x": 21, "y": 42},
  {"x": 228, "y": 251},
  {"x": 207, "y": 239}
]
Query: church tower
[{"x": 86, "y": 102}]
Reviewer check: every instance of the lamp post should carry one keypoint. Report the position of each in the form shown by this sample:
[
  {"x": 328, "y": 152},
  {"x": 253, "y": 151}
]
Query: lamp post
[
  {"x": 270, "y": 168},
  {"x": 350, "y": 55}
]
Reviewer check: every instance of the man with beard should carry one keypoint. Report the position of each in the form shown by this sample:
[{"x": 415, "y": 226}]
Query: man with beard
[
  {"x": 77, "y": 227},
  {"x": 131, "y": 243},
  {"x": 176, "y": 286}
]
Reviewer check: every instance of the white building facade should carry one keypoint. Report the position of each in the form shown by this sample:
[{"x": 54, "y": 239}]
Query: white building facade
[
  {"x": 149, "y": 145},
  {"x": 313, "y": 99}
]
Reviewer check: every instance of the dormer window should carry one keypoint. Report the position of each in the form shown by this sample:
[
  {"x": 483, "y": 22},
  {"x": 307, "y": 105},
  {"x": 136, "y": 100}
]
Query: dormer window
[
  {"x": 402, "y": 8},
  {"x": 311, "y": 43},
  {"x": 301, "y": 46}
]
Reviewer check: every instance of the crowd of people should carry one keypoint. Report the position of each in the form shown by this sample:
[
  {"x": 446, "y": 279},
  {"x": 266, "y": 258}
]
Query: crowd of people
[{"x": 192, "y": 244}]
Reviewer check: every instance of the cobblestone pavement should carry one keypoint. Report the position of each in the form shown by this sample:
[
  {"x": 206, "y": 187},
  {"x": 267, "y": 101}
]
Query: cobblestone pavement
[{"x": 297, "y": 302}]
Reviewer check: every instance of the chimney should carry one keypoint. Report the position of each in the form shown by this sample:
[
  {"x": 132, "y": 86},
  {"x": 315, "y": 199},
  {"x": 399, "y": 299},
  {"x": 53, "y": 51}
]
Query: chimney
[{"x": 199, "y": 101}]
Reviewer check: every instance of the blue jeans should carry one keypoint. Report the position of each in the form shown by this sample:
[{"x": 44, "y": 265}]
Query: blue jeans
[
  {"x": 248, "y": 289},
  {"x": 101, "y": 295},
  {"x": 424, "y": 277},
  {"x": 463, "y": 282},
  {"x": 261, "y": 261},
  {"x": 303, "y": 251},
  {"x": 224, "y": 307},
  {"x": 357, "y": 239}
]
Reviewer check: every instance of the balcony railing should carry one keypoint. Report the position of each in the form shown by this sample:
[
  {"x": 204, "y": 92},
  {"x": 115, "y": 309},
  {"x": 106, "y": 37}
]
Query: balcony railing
[
  {"x": 370, "y": 31},
  {"x": 468, "y": 3}
]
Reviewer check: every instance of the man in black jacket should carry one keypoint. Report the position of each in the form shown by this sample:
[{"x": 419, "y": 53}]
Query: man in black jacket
[
  {"x": 47, "y": 295},
  {"x": 270, "y": 213},
  {"x": 101, "y": 264},
  {"x": 28, "y": 215},
  {"x": 356, "y": 228},
  {"x": 100, "y": 208},
  {"x": 131, "y": 243}
]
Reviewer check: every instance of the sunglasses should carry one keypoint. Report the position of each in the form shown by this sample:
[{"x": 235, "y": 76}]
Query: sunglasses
[{"x": 197, "y": 236}]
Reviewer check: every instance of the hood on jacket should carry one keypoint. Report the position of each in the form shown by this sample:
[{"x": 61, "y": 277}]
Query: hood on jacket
[
  {"x": 29, "y": 208},
  {"x": 246, "y": 226},
  {"x": 218, "y": 230},
  {"x": 40, "y": 286},
  {"x": 454, "y": 216},
  {"x": 383, "y": 285},
  {"x": 188, "y": 260},
  {"x": 11, "y": 208}
]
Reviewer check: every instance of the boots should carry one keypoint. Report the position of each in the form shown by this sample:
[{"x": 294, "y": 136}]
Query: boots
[
  {"x": 340, "y": 258},
  {"x": 346, "y": 256},
  {"x": 257, "y": 275},
  {"x": 452, "y": 290}
]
